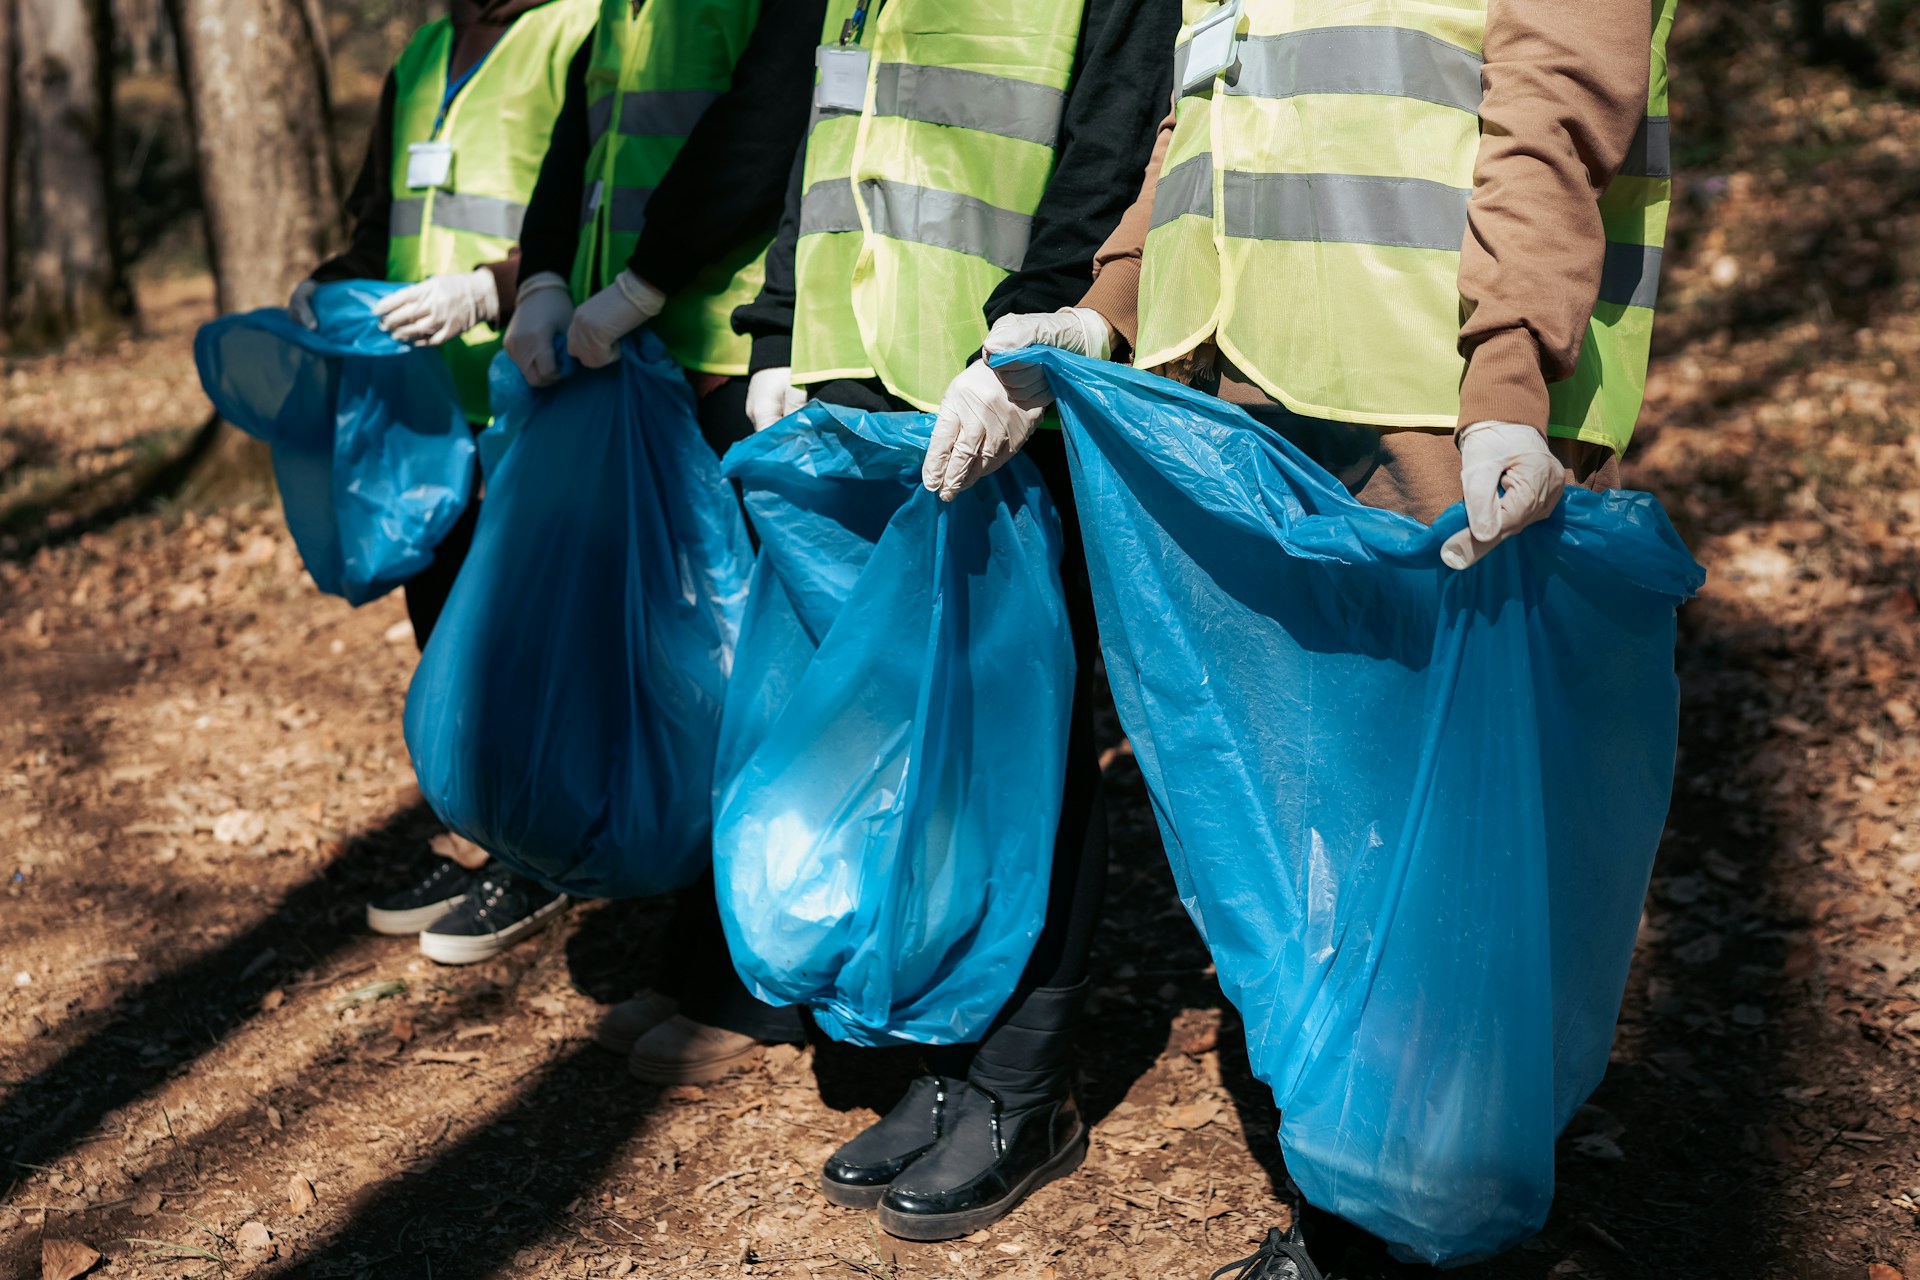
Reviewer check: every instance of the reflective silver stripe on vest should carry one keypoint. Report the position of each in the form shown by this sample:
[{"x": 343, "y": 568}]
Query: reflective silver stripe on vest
[
  {"x": 650, "y": 113},
  {"x": 1631, "y": 274},
  {"x": 407, "y": 217},
  {"x": 627, "y": 212},
  {"x": 1344, "y": 209},
  {"x": 1391, "y": 61},
  {"x": 1187, "y": 188},
  {"x": 947, "y": 220},
  {"x": 663, "y": 113},
  {"x": 828, "y": 206},
  {"x": 923, "y": 215},
  {"x": 482, "y": 215},
  {"x": 1651, "y": 155},
  {"x": 998, "y": 105},
  {"x": 452, "y": 211}
]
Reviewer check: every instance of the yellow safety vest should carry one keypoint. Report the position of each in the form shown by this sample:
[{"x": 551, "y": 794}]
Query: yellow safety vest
[
  {"x": 915, "y": 207},
  {"x": 652, "y": 75},
  {"x": 498, "y": 124},
  {"x": 1313, "y": 203}
]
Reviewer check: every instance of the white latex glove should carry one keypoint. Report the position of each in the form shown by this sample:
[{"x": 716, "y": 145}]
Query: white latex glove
[
  {"x": 440, "y": 308},
  {"x": 300, "y": 305},
  {"x": 541, "y": 313},
  {"x": 1511, "y": 479},
  {"x": 771, "y": 396},
  {"x": 610, "y": 315},
  {"x": 1081, "y": 330},
  {"x": 976, "y": 431}
]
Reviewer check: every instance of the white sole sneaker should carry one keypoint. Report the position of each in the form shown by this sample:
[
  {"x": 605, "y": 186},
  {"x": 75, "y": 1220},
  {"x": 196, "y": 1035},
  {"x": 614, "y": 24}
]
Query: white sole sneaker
[
  {"x": 454, "y": 948},
  {"x": 404, "y": 924}
]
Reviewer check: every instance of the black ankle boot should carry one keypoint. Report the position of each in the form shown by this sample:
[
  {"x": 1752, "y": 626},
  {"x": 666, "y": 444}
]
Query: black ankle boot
[
  {"x": 1027, "y": 1058},
  {"x": 986, "y": 1161},
  {"x": 857, "y": 1174},
  {"x": 1012, "y": 1130}
]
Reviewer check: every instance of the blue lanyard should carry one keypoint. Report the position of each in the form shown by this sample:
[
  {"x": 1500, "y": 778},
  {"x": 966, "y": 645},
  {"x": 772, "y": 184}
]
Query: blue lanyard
[
  {"x": 856, "y": 27},
  {"x": 455, "y": 86}
]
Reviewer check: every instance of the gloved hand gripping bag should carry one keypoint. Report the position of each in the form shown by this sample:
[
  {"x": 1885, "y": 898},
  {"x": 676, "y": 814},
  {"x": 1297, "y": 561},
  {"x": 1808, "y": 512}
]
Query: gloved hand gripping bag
[
  {"x": 1413, "y": 811},
  {"x": 565, "y": 712},
  {"x": 373, "y": 457},
  {"x": 894, "y": 744}
]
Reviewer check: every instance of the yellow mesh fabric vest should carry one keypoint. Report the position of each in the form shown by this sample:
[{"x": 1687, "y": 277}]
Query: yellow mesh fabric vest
[
  {"x": 498, "y": 124},
  {"x": 918, "y": 205},
  {"x": 650, "y": 78},
  {"x": 1313, "y": 203}
]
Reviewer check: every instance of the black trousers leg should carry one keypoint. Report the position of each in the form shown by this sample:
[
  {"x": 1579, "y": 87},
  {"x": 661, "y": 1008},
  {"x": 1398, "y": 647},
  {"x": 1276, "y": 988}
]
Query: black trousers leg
[
  {"x": 702, "y": 978},
  {"x": 427, "y": 591}
]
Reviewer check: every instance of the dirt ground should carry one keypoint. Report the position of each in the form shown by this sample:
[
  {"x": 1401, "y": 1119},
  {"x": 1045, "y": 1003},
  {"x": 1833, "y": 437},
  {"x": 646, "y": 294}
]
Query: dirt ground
[{"x": 209, "y": 1068}]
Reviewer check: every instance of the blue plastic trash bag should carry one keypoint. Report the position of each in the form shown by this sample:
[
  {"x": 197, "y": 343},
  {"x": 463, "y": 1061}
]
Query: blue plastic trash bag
[
  {"x": 564, "y": 714},
  {"x": 894, "y": 745},
  {"x": 1412, "y": 810},
  {"x": 512, "y": 400},
  {"x": 373, "y": 457}
]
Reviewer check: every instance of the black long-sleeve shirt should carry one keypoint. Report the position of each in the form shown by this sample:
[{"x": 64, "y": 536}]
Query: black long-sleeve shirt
[
  {"x": 1123, "y": 78},
  {"x": 729, "y": 181}
]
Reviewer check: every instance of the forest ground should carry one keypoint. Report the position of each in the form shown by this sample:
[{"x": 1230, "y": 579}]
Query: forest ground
[{"x": 202, "y": 779}]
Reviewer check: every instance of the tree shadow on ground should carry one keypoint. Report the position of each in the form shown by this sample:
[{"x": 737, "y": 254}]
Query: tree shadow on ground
[
  {"x": 161, "y": 1026},
  {"x": 63, "y": 509},
  {"x": 509, "y": 1184}
]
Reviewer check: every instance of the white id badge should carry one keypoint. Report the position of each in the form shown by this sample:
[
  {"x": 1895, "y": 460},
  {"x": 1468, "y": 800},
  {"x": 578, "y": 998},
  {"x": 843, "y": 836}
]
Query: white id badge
[
  {"x": 429, "y": 164},
  {"x": 1212, "y": 48},
  {"x": 843, "y": 78}
]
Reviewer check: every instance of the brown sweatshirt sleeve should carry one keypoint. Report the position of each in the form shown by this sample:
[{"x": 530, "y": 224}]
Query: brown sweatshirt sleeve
[
  {"x": 1116, "y": 267},
  {"x": 506, "y": 282},
  {"x": 1565, "y": 85}
]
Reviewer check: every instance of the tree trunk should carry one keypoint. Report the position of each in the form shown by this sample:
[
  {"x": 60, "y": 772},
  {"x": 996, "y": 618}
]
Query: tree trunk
[
  {"x": 71, "y": 278},
  {"x": 141, "y": 36},
  {"x": 256, "y": 78},
  {"x": 7, "y": 187},
  {"x": 257, "y": 89}
]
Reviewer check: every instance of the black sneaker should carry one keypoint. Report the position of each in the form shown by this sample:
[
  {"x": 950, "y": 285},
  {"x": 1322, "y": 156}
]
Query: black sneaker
[
  {"x": 498, "y": 911},
  {"x": 984, "y": 1163},
  {"x": 858, "y": 1174},
  {"x": 1281, "y": 1256},
  {"x": 407, "y": 911}
]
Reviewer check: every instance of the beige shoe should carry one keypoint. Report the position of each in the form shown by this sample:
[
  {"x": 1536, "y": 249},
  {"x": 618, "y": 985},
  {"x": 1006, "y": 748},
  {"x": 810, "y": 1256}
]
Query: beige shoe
[
  {"x": 682, "y": 1051},
  {"x": 627, "y": 1021}
]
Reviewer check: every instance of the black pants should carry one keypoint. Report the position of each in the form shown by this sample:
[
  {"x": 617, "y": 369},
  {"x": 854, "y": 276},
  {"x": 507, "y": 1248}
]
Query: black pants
[
  {"x": 702, "y": 978},
  {"x": 1077, "y": 889}
]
